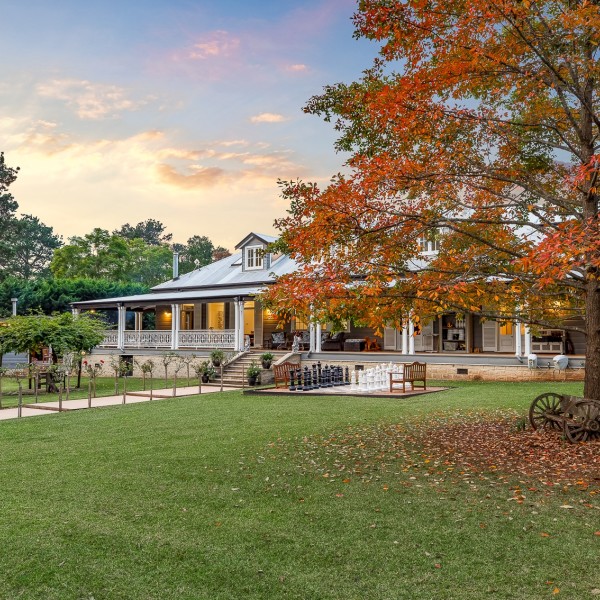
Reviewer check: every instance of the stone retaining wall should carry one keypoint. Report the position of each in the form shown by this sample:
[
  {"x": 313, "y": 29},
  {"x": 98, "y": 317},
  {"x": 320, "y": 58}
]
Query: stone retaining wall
[{"x": 453, "y": 372}]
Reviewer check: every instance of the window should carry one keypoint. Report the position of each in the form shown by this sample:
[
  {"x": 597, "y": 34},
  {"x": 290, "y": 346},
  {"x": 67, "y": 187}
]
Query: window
[
  {"x": 428, "y": 243},
  {"x": 254, "y": 257}
]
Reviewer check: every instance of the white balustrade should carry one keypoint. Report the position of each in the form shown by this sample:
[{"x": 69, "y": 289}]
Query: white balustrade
[
  {"x": 190, "y": 338},
  {"x": 207, "y": 338}
]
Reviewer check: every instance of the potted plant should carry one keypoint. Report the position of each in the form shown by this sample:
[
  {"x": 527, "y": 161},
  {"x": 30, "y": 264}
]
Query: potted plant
[
  {"x": 204, "y": 371},
  {"x": 253, "y": 373},
  {"x": 266, "y": 359},
  {"x": 217, "y": 357}
]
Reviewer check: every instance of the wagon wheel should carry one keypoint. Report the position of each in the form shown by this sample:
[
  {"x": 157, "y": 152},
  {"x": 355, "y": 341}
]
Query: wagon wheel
[
  {"x": 543, "y": 408},
  {"x": 582, "y": 422}
]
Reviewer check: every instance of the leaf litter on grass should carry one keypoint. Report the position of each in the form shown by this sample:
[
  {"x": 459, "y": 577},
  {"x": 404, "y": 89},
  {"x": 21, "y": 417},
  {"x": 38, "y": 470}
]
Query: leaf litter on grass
[{"x": 443, "y": 449}]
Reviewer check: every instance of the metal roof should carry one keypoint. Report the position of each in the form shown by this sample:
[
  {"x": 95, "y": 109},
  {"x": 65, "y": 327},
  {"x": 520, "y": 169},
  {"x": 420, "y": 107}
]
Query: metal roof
[
  {"x": 228, "y": 271},
  {"x": 152, "y": 299}
]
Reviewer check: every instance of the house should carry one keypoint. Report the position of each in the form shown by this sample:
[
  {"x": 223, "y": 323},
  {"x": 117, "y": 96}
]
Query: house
[{"x": 216, "y": 307}]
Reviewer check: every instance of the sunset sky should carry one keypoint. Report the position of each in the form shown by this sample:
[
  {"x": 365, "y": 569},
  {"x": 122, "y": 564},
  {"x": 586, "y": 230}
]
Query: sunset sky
[{"x": 185, "y": 111}]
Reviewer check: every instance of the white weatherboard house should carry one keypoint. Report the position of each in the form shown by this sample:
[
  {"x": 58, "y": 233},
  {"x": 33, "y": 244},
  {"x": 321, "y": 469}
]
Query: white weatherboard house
[{"x": 215, "y": 307}]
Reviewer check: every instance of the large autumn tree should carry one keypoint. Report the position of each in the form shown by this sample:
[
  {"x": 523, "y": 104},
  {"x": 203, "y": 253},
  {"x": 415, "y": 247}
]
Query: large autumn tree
[{"x": 476, "y": 128}]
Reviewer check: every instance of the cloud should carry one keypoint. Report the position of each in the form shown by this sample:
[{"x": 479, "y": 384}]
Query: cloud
[
  {"x": 202, "y": 177},
  {"x": 215, "y": 44},
  {"x": 298, "y": 68},
  {"x": 90, "y": 100},
  {"x": 268, "y": 118}
]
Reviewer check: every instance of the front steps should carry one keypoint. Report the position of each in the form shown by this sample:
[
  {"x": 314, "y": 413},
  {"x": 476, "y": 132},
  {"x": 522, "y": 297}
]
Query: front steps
[{"x": 234, "y": 375}]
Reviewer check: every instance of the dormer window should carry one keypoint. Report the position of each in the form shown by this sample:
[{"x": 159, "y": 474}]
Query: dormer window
[{"x": 254, "y": 258}]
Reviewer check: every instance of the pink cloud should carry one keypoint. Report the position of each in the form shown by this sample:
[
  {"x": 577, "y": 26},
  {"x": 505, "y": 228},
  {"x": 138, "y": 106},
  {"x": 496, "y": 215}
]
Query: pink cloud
[{"x": 215, "y": 44}]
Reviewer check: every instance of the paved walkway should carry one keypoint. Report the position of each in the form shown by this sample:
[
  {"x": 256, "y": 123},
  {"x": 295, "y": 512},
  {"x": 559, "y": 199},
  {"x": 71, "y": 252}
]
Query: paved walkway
[{"x": 50, "y": 408}]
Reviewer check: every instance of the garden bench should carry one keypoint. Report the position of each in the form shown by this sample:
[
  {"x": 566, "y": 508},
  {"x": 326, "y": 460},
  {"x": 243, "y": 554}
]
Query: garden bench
[
  {"x": 411, "y": 373},
  {"x": 281, "y": 373}
]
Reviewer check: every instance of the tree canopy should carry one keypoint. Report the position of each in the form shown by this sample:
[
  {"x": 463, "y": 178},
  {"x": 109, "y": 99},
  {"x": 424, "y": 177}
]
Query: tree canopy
[
  {"x": 64, "y": 333},
  {"x": 150, "y": 230},
  {"x": 26, "y": 244},
  {"x": 49, "y": 295},
  {"x": 101, "y": 255},
  {"x": 477, "y": 129}
]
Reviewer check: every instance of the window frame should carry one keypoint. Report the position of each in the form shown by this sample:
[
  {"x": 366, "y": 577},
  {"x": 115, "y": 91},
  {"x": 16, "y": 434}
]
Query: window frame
[{"x": 258, "y": 259}]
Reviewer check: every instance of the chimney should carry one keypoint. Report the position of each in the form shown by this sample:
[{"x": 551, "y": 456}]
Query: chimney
[{"x": 175, "y": 265}]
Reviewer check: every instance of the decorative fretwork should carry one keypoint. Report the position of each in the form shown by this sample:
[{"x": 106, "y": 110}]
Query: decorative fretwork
[
  {"x": 207, "y": 338},
  {"x": 193, "y": 338}
]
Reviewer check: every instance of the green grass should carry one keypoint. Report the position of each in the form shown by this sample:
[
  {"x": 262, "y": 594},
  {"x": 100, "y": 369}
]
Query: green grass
[
  {"x": 217, "y": 497},
  {"x": 105, "y": 386}
]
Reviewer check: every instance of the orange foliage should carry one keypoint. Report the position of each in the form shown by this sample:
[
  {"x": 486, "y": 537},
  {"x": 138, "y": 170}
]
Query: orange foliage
[{"x": 477, "y": 127}]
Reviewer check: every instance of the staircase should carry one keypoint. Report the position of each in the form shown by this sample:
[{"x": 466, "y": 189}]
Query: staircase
[{"x": 234, "y": 375}]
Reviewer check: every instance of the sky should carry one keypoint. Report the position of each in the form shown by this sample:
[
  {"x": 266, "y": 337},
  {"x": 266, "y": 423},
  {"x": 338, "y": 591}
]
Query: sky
[{"x": 184, "y": 111}]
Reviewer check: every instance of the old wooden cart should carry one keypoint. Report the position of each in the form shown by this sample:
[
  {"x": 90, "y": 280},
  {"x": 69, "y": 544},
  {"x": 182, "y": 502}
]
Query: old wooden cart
[{"x": 578, "y": 418}]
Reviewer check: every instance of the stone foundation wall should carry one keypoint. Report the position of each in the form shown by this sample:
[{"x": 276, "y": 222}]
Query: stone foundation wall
[
  {"x": 159, "y": 370},
  {"x": 457, "y": 372}
]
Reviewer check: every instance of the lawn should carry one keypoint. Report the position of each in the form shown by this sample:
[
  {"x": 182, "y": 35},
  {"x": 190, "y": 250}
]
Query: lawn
[
  {"x": 105, "y": 386},
  {"x": 229, "y": 496}
]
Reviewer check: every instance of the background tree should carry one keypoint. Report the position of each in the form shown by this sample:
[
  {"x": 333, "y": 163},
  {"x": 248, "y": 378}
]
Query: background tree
[
  {"x": 477, "y": 128},
  {"x": 198, "y": 252},
  {"x": 100, "y": 254},
  {"x": 31, "y": 245},
  {"x": 51, "y": 295},
  {"x": 8, "y": 205},
  {"x": 219, "y": 253},
  {"x": 150, "y": 230}
]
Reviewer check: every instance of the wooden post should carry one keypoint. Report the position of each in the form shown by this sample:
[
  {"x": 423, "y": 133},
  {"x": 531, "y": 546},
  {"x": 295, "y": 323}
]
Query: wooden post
[
  {"x": 151, "y": 386},
  {"x": 60, "y": 388},
  {"x": 36, "y": 382},
  {"x": 200, "y": 384},
  {"x": 221, "y": 376},
  {"x": 20, "y": 403},
  {"x": 124, "y": 387},
  {"x": 89, "y": 394}
]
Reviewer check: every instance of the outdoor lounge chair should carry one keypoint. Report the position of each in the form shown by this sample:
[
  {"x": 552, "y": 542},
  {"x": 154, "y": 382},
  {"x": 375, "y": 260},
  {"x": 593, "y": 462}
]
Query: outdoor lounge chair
[
  {"x": 335, "y": 342},
  {"x": 278, "y": 341}
]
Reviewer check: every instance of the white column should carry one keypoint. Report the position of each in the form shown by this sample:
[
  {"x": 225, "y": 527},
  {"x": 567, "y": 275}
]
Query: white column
[
  {"x": 138, "y": 320},
  {"x": 411, "y": 337},
  {"x": 318, "y": 336},
  {"x": 75, "y": 312},
  {"x": 405, "y": 339},
  {"x": 518, "y": 349},
  {"x": 121, "y": 310},
  {"x": 241, "y": 337},
  {"x": 175, "y": 317},
  {"x": 236, "y": 325},
  {"x": 527, "y": 341},
  {"x": 312, "y": 345}
]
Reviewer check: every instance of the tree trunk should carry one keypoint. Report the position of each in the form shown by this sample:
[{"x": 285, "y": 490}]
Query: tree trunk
[{"x": 591, "y": 388}]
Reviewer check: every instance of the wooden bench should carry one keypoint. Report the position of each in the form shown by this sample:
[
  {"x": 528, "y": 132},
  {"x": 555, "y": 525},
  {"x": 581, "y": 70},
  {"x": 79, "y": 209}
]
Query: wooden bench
[
  {"x": 281, "y": 373},
  {"x": 411, "y": 373}
]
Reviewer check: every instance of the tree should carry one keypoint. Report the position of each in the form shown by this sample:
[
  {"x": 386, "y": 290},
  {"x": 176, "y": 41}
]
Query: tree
[
  {"x": 220, "y": 253},
  {"x": 476, "y": 128},
  {"x": 195, "y": 254},
  {"x": 31, "y": 245},
  {"x": 64, "y": 333},
  {"x": 49, "y": 295},
  {"x": 101, "y": 255},
  {"x": 8, "y": 207},
  {"x": 150, "y": 230}
]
